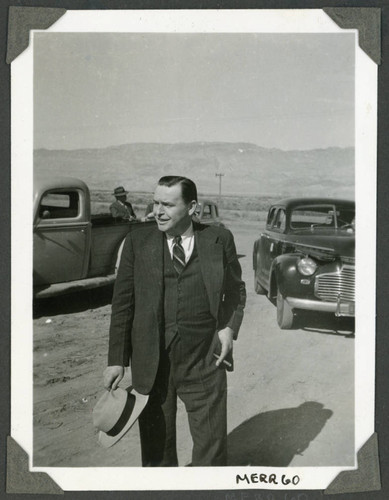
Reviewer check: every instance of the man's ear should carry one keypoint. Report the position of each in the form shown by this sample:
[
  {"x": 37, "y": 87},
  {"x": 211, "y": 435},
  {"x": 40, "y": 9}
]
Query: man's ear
[{"x": 193, "y": 206}]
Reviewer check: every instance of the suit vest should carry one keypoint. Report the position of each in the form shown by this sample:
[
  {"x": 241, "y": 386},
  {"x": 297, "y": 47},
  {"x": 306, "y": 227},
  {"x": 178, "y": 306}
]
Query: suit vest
[{"x": 186, "y": 304}]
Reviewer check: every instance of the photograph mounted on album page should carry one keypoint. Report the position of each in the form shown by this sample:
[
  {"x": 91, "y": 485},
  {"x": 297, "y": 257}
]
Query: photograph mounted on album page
[{"x": 197, "y": 283}]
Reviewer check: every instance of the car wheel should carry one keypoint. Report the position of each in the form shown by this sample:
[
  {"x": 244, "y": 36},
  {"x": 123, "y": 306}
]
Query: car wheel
[
  {"x": 284, "y": 313},
  {"x": 257, "y": 286}
]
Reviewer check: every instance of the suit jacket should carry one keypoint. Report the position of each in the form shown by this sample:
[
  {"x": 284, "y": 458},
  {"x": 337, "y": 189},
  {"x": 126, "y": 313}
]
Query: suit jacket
[
  {"x": 137, "y": 306},
  {"x": 122, "y": 209}
]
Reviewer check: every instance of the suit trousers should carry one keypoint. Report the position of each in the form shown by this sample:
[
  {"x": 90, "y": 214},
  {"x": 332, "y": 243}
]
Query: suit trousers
[{"x": 202, "y": 387}]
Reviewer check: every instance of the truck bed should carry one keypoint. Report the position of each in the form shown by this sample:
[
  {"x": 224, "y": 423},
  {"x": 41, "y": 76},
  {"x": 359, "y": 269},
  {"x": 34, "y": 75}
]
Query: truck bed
[{"x": 107, "y": 236}]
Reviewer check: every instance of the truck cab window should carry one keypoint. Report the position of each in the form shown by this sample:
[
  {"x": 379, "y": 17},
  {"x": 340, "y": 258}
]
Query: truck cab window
[{"x": 59, "y": 205}]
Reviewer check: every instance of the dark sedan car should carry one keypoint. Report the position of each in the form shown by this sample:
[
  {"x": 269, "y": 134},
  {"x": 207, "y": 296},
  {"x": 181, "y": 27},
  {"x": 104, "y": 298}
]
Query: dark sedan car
[{"x": 305, "y": 258}]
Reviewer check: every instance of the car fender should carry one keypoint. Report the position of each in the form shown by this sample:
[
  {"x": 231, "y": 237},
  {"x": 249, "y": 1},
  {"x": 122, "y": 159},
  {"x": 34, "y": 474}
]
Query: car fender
[{"x": 283, "y": 272}]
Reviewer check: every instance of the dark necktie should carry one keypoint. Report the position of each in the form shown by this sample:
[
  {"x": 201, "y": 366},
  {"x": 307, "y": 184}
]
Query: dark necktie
[{"x": 178, "y": 255}]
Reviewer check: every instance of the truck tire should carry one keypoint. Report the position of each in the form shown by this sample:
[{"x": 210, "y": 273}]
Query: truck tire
[
  {"x": 285, "y": 314},
  {"x": 257, "y": 286}
]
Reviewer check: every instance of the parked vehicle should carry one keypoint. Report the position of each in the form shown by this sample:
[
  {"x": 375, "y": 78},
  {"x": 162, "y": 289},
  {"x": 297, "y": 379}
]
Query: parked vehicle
[
  {"x": 305, "y": 258},
  {"x": 207, "y": 212},
  {"x": 72, "y": 249}
]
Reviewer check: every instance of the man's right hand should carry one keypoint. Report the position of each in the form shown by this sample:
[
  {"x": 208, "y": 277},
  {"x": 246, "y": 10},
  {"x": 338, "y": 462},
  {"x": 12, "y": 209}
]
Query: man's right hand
[{"x": 112, "y": 376}]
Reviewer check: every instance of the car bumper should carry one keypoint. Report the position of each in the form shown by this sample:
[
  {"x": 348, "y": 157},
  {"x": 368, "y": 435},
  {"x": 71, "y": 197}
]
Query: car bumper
[{"x": 338, "y": 308}]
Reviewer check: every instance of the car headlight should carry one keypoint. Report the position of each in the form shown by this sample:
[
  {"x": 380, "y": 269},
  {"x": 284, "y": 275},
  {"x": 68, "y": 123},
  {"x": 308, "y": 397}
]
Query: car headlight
[{"x": 307, "y": 266}]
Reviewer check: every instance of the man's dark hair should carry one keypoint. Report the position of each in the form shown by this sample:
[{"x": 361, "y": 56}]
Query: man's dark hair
[{"x": 188, "y": 187}]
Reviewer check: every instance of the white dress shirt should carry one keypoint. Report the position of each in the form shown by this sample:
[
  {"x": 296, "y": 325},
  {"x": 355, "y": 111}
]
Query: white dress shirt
[{"x": 187, "y": 243}]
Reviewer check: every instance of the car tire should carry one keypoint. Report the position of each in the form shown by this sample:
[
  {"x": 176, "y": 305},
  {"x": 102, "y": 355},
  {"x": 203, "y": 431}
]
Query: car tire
[
  {"x": 285, "y": 314},
  {"x": 257, "y": 286}
]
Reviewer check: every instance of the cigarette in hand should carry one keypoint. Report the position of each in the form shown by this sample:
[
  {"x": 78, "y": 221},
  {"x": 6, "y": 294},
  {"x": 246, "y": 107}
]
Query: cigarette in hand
[{"x": 227, "y": 363}]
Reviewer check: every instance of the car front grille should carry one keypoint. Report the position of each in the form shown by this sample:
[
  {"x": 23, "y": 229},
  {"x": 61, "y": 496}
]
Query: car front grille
[{"x": 331, "y": 286}]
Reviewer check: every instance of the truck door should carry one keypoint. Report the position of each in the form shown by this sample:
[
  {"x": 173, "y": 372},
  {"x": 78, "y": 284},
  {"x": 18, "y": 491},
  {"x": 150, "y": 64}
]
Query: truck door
[{"x": 62, "y": 235}]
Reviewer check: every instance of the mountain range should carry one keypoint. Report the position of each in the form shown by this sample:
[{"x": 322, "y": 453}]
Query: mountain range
[{"x": 248, "y": 169}]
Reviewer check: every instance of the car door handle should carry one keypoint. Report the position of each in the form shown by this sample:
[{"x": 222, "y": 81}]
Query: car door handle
[{"x": 272, "y": 247}]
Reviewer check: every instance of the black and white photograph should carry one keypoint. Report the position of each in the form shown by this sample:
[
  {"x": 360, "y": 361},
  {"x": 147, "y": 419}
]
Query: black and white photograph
[{"x": 199, "y": 298}]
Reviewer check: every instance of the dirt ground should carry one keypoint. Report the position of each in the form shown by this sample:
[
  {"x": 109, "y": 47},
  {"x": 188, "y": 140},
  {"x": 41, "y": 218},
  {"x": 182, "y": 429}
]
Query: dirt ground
[{"x": 291, "y": 396}]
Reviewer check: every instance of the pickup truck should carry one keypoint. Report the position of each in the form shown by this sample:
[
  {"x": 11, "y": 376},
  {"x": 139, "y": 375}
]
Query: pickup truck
[{"x": 73, "y": 249}]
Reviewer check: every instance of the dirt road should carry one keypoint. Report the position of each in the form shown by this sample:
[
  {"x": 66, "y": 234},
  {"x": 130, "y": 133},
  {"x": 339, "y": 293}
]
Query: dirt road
[{"x": 291, "y": 396}]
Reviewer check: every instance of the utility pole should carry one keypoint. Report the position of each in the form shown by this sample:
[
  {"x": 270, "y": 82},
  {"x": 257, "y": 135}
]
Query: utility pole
[{"x": 220, "y": 175}]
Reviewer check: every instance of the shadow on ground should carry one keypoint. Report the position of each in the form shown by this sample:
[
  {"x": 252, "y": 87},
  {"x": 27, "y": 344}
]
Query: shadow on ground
[
  {"x": 275, "y": 437},
  {"x": 73, "y": 302}
]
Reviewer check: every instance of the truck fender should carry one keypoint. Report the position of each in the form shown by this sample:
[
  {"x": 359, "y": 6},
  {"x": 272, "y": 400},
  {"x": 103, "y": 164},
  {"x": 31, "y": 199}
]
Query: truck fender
[{"x": 283, "y": 269}]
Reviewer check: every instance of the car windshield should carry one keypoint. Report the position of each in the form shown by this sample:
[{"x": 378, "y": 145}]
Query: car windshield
[{"x": 322, "y": 217}]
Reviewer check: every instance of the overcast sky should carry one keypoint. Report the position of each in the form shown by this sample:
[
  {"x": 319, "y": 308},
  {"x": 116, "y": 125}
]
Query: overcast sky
[{"x": 288, "y": 91}]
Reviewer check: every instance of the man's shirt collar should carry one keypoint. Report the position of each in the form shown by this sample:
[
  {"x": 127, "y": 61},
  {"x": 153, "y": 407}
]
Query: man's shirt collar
[
  {"x": 187, "y": 234},
  {"x": 187, "y": 242}
]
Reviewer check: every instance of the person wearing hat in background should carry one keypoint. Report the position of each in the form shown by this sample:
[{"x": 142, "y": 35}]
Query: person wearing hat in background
[
  {"x": 177, "y": 307},
  {"x": 121, "y": 208}
]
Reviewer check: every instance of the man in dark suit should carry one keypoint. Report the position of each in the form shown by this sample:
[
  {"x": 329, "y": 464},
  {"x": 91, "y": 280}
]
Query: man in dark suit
[
  {"x": 121, "y": 208},
  {"x": 177, "y": 307}
]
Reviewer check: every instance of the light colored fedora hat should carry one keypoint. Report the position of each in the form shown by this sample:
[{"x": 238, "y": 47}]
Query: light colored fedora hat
[{"x": 116, "y": 412}]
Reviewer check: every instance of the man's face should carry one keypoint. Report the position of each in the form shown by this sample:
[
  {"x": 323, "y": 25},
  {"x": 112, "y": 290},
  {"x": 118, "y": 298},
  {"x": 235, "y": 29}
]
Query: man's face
[
  {"x": 172, "y": 214},
  {"x": 122, "y": 197}
]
